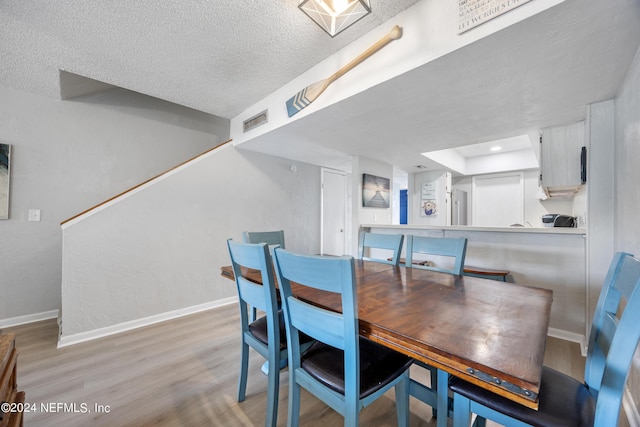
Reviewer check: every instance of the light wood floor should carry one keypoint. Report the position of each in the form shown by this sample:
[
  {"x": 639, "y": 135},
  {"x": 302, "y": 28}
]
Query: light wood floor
[{"x": 180, "y": 373}]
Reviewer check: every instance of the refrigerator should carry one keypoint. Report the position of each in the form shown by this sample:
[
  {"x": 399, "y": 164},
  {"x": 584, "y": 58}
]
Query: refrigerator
[{"x": 458, "y": 207}]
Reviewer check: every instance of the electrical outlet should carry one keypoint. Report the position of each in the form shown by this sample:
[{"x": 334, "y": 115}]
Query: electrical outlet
[{"x": 34, "y": 215}]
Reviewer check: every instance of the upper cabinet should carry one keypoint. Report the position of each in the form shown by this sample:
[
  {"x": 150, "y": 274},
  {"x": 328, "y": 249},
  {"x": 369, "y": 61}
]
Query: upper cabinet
[{"x": 563, "y": 160}]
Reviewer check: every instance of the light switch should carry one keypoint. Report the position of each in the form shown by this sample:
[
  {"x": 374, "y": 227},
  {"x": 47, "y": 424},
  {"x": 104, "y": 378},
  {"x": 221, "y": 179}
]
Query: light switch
[{"x": 34, "y": 215}]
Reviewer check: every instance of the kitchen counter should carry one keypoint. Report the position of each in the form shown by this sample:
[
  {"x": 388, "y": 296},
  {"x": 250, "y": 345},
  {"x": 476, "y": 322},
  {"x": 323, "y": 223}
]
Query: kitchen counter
[
  {"x": 535, "y": 230},
  {"x": 550, "y": 258}
]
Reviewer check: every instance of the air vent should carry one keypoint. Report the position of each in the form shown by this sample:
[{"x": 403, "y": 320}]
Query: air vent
[{"x": 255, "y": 121}]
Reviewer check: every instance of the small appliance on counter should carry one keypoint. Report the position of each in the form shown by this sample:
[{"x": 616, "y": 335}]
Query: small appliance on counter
[{"x": 559, "y": 220}]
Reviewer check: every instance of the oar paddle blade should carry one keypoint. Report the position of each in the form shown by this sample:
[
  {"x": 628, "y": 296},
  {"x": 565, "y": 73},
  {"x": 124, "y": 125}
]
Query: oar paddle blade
[
  {"x": 305, "y": 97},
  {"x": 298, "y": 102},
  {"x": 309, "y": 94}
]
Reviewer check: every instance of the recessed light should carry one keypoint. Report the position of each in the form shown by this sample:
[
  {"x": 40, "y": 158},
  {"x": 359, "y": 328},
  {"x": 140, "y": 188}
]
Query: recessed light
[{"x": 496, "y": 148}]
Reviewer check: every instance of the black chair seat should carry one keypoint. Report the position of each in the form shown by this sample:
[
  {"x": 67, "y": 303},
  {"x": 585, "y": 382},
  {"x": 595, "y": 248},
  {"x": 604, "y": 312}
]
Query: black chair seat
[
  {"x": 564, "y": 401},
  {"x": 379, "y": 365},
  {"x": 259, "y": 330}
]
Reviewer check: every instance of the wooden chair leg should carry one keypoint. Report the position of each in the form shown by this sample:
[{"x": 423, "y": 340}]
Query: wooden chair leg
[
  {"x": 244, "y": 368},
  {"x": 402, "y": 401},
  {"x": 293, "y": 419},
  {"x": 272, "y": 393},
  {"x": 461, "y": 411},
  {"x": 442, "y": 397}
]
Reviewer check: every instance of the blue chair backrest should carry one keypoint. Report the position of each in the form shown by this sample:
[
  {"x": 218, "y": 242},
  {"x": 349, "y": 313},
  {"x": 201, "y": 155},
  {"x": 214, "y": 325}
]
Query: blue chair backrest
[
  {"x": 392, "y": 242},
  {"x": 614, "y": 337},
  {"x": 262, "y": 296},
  {"x": 339, "y": 330},
  {"x": 441, "y": 246},
  {"x": 271, "y": 238}
]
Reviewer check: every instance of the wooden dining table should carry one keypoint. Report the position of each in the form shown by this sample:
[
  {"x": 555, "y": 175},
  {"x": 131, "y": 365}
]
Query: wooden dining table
[{"x": 487, "y": 332}]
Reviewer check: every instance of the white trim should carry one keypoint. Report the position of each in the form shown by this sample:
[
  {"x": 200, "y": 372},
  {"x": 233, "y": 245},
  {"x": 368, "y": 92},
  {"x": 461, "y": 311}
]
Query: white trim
[
  {"x": 138, "y": 323},
  {"x": 28, "y": 318},
  {"x": 570, "y": 336},
  {"x": 630, "y": 409}
]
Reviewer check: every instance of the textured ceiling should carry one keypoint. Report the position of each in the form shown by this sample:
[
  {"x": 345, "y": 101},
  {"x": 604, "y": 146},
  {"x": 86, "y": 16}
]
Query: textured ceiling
[
  {"x": 543, "y": 71},
  {"x": 221, "y": 57},
  {"x": 216, "y": 56}
]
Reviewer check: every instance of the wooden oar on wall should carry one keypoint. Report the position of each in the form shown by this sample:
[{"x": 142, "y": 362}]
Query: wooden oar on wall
[{"x": 310, "y": 93}]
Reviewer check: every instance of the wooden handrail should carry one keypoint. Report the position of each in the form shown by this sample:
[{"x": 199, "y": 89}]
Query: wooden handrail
[{"x": 143, "y": 183}]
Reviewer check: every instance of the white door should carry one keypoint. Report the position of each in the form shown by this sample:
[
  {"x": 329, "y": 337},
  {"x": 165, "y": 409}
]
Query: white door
[
  {"x": 334, "y": 190},
  {"x": 498, "y": 200}
]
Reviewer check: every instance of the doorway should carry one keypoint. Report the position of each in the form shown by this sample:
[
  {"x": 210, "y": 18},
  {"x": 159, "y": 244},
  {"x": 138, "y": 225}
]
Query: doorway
[{"x": 333, "y": 221}]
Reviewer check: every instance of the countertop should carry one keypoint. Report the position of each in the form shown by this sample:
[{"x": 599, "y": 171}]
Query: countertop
[{"x": 534, "y": 230}]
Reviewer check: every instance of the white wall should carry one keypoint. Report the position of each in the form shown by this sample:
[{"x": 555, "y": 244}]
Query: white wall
[
  {"x": 442, "y": 183},
  {"x": 600, "y": 128},
  {"x": 70, "y": 155},
  {"x": 435, "y": 21},
  {"x": 161, "y": 249},
  {"x": 361, "y": 215},
  {"x": 627, "y": 177}
]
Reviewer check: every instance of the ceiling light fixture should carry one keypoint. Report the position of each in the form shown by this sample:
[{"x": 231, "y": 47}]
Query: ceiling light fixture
[
  {"x": 334, "y": 16},
  {"x": 496, "y": 148}
]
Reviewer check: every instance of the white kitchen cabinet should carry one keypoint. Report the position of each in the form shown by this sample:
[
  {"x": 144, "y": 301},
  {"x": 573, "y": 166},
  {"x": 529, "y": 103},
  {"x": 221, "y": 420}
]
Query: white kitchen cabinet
[{"x": 561, "y": 164}]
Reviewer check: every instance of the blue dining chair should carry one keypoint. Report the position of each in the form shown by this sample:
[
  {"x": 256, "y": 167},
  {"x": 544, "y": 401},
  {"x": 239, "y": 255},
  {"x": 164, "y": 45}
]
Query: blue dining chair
[
  {"x": 267, "y": 334},
  {"x": 271, "y": 238},
  {"x": 391, "y": 242},
  {"x": 454, "y": 247},
  {"x": 563, "y": 400},
  {"x": 342, "y": 369}
]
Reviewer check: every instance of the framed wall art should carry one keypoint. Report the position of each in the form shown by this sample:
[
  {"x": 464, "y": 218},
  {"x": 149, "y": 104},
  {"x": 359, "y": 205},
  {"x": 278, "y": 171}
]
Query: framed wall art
[
  {"x": 5, "y": 174},
  {"x": 375, "y": 191}
]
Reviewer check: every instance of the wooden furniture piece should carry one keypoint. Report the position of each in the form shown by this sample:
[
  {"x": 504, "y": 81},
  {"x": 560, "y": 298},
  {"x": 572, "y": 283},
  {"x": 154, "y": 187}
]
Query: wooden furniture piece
[
  {"x": 271, "y": 238},
  {"x": 487, "y": 333},
  {"x": 8, "y": 383},
  {"x": 454, "y": 250},
  {"x": 266, "y": 334},
  {"x": 343, "y": 369},
  {"x": 483, "y": 273},
  {"x": 486, "y": 273},
  {"x": 453, "y": 247},
  {"x": 391, "y": 242},
  {"x": 564, "y": 400}
]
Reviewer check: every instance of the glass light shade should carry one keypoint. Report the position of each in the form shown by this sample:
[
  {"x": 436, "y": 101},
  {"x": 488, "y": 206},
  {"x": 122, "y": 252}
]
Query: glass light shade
[{"x": 334, "y": 16}]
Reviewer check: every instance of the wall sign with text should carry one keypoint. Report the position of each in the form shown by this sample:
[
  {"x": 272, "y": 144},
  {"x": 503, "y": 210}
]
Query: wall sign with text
[
  {"x": 428, "y": 197},
  {"x": 475, "y": 12}
]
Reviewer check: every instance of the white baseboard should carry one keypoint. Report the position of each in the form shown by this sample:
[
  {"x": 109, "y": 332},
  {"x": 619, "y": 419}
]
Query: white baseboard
[
  {"x": 68, "y": 340},
  {"x": 570, "y": 336},
  {"x": 28, "y": 318},
  {"x": 630, "y": 409}
]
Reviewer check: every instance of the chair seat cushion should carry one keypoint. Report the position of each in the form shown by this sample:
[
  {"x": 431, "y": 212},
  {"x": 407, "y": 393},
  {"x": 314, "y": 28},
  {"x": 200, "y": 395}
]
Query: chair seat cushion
[
  {"x": 564, "y": 401},
  {"x": 379, "y": 366},
  {"x": 259, "y": 330}
]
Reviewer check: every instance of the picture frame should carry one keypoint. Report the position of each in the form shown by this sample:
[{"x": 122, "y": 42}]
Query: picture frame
[
  {"x": 5, "y": 177},
  {"x": 375, "y": 191}
]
